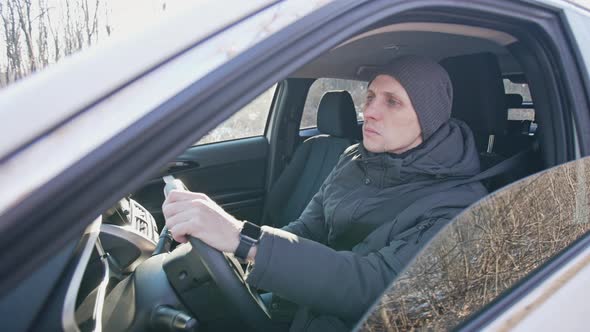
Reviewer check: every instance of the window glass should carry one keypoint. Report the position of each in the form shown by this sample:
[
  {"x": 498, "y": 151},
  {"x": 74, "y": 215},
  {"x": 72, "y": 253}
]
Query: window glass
[
  {"x": 488, "y": 249},
  {"x": 39, "y": 33},
  {"x": 518, "y": 88},
  {"x": 250, "y": 121},
  {"x": 357, "y": 90},
  {"x": 518, "y": 113}
]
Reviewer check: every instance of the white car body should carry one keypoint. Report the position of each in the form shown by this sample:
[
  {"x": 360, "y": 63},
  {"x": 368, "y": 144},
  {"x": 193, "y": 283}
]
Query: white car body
[
  {"x": 52, "y": 121},
  {"x": 58, "y": 116}
]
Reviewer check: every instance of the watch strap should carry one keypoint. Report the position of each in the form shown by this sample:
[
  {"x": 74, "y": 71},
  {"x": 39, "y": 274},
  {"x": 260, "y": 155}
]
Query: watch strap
[{"x": 249, "y": 236}]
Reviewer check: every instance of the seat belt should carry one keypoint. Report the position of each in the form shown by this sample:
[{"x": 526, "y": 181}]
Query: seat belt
[
  {"x": 501, "y": 167},
  {"x": 497, "y": 169},
  {"x": 417, "y": 197}
]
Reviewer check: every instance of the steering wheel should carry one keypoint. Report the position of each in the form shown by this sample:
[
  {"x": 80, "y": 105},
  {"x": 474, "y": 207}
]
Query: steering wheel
[{"x": 229, "y": 276}]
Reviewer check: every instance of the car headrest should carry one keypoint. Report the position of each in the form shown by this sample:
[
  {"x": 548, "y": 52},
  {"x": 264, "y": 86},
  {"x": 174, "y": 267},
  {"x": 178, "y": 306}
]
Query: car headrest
[
  {"x": 337, "y": 115},
  {"x": 478, "y": 94}
]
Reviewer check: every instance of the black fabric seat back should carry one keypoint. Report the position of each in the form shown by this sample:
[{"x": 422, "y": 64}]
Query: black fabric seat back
[
  {"x": 479, "y": 99},
  {"x": 478, "y": 95},
  {"x": 313, "y": 160}
]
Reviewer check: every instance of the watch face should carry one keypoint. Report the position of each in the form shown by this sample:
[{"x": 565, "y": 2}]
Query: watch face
[{"x": 250, "y": 230}]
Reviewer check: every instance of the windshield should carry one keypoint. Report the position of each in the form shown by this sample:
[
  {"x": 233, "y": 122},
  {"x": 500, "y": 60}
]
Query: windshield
[{"x": 486, "y": 250}]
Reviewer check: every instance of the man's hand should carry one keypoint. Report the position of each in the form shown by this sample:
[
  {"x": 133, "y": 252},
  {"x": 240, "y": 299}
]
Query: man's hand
[{"x": 195, "y": 214}]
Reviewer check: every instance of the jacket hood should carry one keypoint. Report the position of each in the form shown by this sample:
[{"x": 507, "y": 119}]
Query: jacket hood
[{"x": 449, "y": 152}]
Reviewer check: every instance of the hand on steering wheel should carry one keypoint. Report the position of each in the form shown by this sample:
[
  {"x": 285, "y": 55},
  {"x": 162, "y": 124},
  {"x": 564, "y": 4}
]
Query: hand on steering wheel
[{"x": 212, "y": 233}]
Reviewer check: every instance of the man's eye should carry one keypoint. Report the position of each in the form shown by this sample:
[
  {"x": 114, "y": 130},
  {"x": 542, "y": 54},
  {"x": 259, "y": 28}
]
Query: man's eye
[{"x": 392, "y": 102}]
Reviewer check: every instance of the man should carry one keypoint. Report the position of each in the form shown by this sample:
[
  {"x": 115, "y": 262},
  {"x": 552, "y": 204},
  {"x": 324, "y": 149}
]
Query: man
[{"x": 381, "y": 203}]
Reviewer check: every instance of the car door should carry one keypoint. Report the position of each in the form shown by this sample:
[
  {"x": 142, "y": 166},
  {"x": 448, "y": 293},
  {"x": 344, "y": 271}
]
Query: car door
[
  {"x": 44, "y": 219},
  {"x": 229, "y": 164},
  {"x": 54, "y": 156},
  {"x": 504, "y": 263}
]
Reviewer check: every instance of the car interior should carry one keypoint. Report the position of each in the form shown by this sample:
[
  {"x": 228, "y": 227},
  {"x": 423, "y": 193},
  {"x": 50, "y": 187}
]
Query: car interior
[
  {"x": 477, "y": 66},
  {"x": 269, "y": 179}
]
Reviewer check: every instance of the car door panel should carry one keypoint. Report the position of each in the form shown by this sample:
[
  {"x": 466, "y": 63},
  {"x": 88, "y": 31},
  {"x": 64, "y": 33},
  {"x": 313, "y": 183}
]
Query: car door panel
[
  {"x": 232, "y": 173},
  {"x": 491, "y": 255}
]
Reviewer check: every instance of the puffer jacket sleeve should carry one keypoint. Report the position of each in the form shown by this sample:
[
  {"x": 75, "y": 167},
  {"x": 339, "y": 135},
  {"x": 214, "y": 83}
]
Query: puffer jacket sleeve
[{"x": 340, "y": 283}]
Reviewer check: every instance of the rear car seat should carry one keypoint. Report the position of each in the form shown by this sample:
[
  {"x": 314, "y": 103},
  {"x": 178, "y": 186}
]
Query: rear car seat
[
  {"x": 313, "y": 160},
  {"x": 479, "y": 99}
]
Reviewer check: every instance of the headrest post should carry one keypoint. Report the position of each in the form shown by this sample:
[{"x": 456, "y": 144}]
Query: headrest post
[{"x": 490, "y": 143}]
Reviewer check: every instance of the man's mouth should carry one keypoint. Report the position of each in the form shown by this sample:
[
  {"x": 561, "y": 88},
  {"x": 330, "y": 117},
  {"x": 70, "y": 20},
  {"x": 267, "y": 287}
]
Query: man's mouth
[{"x": 370, "y": 131}]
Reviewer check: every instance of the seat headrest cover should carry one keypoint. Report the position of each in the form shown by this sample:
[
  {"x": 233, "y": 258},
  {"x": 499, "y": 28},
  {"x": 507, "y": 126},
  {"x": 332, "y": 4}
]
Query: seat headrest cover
[
  {"x": 337, "y": 115},
  {"x": 479, "y": 97}
]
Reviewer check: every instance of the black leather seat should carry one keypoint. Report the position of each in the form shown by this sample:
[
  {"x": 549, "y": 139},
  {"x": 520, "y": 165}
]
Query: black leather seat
[{"x": 313, "y": 160}]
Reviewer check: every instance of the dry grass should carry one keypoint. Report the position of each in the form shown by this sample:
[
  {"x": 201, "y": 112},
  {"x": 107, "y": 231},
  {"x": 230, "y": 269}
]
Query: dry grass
[{"x": 487, "y": 250}]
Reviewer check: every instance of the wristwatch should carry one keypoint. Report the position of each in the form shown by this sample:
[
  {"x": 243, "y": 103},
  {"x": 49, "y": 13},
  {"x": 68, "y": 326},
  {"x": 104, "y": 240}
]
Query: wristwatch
[{"x": 249, "y": 236}]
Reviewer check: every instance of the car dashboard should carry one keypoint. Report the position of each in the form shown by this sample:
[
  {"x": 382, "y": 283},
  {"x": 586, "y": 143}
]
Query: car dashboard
[{"x": 110, "y": 250}]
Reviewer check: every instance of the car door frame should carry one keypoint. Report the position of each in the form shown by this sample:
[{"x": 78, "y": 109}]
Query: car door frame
[{"x": 89, "y": 187}]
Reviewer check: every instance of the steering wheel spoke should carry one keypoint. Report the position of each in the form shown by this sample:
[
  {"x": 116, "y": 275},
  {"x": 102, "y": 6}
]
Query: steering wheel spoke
[{"x": 229, "y": 276}]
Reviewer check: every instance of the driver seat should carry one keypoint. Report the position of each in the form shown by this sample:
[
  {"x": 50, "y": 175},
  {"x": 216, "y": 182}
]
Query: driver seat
[{"x": 313, "y": 160}]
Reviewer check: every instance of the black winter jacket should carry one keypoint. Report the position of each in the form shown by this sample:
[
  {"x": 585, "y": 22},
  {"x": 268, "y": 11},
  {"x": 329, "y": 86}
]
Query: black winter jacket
[{"x": 370, "y": 217}]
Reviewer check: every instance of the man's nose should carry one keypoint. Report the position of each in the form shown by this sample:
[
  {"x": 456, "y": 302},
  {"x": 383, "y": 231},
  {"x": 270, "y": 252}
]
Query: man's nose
[{"x": 370, "y": 111}]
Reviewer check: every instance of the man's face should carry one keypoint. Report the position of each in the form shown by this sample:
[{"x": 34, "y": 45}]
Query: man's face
[{"x": 391, "y": 123}]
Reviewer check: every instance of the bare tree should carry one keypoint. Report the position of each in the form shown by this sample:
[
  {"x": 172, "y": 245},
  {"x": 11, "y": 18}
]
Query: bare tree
[
  {"x": 69, "y": 34},
  {"x": 12, "y": 39},
  {"x": 90, "y": 24},
  {"x": 36, "y": 35},
  {"x": 42, "y": 38},
  {"x": 23, "y": 8},
  {"x": 107, "y": 25},
  {"x": 54, "y": 35}
]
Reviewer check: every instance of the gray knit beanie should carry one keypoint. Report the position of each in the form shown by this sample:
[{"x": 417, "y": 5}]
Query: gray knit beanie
[{"x": 429, "y": 87}]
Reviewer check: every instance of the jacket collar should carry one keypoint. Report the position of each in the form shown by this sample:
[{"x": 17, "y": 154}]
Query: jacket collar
[
  {"x": 382, "y": 169},
  {"x": 449, "y": 152}
]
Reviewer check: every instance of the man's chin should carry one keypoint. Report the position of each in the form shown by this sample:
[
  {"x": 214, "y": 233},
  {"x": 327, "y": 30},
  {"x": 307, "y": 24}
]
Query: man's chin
[{"x": 371, "y": 147}]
